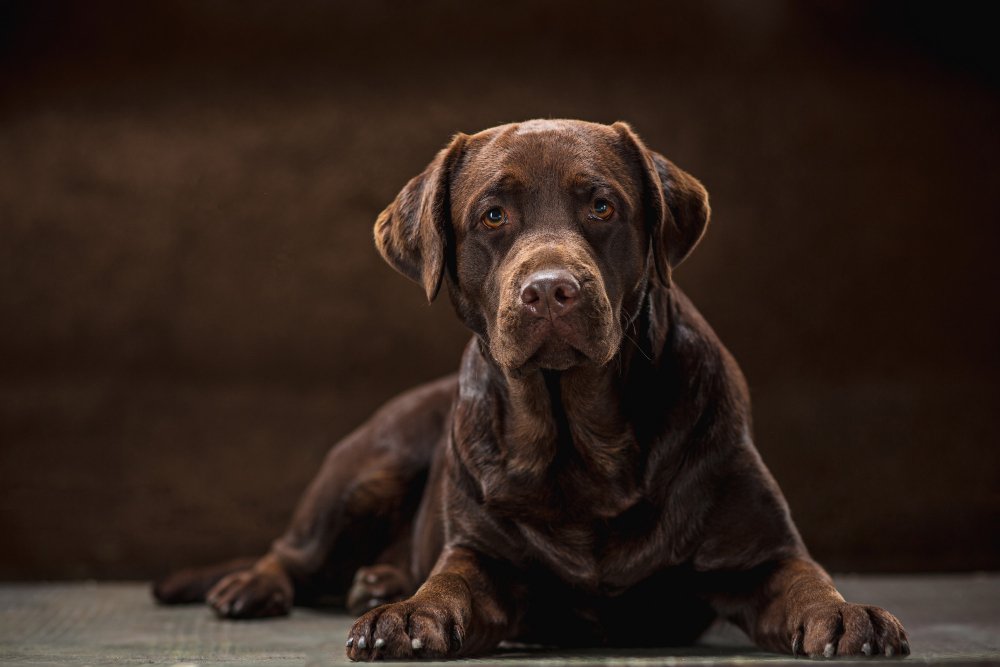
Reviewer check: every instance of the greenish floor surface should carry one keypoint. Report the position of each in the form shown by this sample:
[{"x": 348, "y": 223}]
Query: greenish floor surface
[{"x": 953, "y": 619}]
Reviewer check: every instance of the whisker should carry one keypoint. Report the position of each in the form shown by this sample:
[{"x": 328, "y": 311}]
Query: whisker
[
  {"x": 637, "y": 346},
  {"x": 631, "y": 321}
]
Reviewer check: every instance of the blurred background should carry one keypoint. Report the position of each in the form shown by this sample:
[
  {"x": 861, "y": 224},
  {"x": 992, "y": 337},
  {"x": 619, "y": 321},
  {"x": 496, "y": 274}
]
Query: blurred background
[{"x": 192, "y": 310}]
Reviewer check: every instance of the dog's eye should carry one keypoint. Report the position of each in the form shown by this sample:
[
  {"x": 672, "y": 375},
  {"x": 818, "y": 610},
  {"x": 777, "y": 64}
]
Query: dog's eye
[
  {"x": 602, "y": 209},
  {"x": 495, "y": 217}
]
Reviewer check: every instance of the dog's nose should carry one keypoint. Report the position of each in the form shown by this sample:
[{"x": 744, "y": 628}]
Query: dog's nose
[{"x": 551, "y": 293}]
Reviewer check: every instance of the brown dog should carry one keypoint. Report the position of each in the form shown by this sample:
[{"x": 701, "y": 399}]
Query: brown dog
[{"x": 590, "y": 476}]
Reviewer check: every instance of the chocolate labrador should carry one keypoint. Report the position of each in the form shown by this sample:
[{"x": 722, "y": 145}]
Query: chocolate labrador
[{"x": 589, "y": 477}]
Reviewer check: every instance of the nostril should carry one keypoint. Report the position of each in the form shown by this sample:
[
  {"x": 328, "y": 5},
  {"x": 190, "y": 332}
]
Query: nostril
[
  {"x": 565, "y": 292},
  {"x": 530, "y": 295}
]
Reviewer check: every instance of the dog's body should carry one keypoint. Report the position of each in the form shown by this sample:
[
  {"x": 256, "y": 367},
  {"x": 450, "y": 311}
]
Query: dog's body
[{"x": 589, "y": 477}]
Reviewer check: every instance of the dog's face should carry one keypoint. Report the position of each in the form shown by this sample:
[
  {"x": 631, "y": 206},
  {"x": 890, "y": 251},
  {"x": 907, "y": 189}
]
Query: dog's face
[{"x": 548, "y": 234}]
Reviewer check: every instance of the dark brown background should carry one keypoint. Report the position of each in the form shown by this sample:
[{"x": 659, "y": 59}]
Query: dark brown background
[{"x": 192, "y": 309}]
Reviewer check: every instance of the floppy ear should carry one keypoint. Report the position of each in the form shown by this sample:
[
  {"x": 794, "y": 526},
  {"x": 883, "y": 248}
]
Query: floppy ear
[
  {"x": 412, "y": 232},
  {"x": 676, "y": 205}
]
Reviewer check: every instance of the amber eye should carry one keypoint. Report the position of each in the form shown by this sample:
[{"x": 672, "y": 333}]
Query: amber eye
[
  {"x": 602, "y": 209},
  {"x": 495, "y": 217}
]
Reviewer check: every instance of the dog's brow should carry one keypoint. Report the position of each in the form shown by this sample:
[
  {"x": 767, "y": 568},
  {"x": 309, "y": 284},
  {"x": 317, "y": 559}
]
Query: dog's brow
[
  {"x": 584, "y": 183},
  {"x": 505, "y": 183}
]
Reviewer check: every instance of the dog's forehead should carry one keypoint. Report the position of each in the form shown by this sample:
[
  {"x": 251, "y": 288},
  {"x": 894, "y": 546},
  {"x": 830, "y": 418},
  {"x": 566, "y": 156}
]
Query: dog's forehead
[
  {"x": 549, "y": 125},
  {"x": 560, "y": 152}
]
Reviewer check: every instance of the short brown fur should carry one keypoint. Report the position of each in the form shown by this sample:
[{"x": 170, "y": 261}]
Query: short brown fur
[{"x": 589, "y": 477}]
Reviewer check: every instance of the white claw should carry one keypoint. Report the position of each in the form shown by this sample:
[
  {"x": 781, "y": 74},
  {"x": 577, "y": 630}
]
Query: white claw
[
  {"x": 379, "y": 642},
  {"x": 828, "y": 650},
  {"x": 866, "y": 648},
  {"x": 350, "y": 641},
  {"x": 416, "y": 644},
  {"x": 362, "y": 643}
]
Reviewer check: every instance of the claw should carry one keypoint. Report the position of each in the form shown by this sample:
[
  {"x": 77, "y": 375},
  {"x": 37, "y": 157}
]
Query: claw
[
  {"x": 416, "y": 644},
  {"x": 889, "y": 651},
  {"x": 350, "y": 642},
  {"x": 905, "y": 646},
  {"x": 866, "y": 648},
  {"x": 379, "y": 642},
  {"x": 362, "y": 643},
  {"x": 829, "y": 650}
]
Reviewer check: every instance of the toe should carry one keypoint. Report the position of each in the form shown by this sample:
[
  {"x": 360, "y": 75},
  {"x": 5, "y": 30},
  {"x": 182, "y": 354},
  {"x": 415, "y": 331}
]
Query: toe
[
  {"x": 223, "y": 597},
  {"x": 433, "y": 640},
  {"x": 249, "y": 603},
  {"x": 890, "y": 636},
  {"x": 217, "y": 592},
  {"x": 278, "y": 604},
  {"x": 822, "y": 632},
  {"x": 359, "y": 640},
  {"x": 859, "y": 634},
  {"x": 390, "y": 636}
]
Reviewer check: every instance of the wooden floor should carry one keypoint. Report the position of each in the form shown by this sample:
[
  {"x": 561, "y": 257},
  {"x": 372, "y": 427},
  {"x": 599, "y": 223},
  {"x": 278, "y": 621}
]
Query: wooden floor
[{"x": 953, "y": 619}]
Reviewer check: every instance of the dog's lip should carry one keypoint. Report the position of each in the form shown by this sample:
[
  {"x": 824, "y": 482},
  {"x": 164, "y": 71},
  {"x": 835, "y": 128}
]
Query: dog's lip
[
  {"x": 556, "y": 332},
  {"x": 577, "y": 358},
  {"x": 545, "y": 329}
]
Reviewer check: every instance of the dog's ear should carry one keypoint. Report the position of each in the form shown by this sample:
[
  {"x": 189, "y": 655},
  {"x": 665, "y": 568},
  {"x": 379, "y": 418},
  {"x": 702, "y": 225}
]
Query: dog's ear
[
  {"x": 676, "y": 205},
  {"x": 412, "y": 232}
]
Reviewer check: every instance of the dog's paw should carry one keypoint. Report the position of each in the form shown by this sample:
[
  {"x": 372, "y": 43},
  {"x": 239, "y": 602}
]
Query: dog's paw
[
  {"x": 193, "y": 584},
  {"x": 849, "y": 629},
  {"x": 376, "y": 585},
  {"x": 181, "y": 587},
  {"x": 410, "y": 629},
  {"x": 252, "y": 594}
]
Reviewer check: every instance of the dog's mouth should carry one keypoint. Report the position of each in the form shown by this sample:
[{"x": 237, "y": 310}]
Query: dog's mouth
[
  {"x": 555, "y": 353},
  {"x": 543, "y": 344}
]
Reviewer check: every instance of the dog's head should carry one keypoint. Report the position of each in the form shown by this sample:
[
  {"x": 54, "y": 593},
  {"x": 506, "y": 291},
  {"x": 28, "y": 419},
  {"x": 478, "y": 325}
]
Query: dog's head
[{"x": 548, "y": 233}]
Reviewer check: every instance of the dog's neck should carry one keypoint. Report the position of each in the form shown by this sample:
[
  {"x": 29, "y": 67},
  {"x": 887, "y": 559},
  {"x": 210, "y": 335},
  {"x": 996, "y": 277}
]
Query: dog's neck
[
  {"x": 558, "y": 428},
  {"x": 556, "y": 415}
]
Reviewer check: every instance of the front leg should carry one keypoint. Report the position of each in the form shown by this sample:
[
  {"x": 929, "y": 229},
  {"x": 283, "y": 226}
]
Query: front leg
[
  {"x": 462, "y": 609},
  {"x": 793, "y": 607}
]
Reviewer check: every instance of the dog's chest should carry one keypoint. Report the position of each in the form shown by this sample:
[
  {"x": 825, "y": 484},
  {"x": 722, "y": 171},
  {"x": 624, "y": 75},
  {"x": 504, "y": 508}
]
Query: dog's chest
[
  {"x": 569, "y": 492},
  {"x": 601, "y": 555}
]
